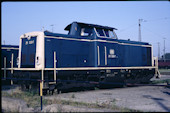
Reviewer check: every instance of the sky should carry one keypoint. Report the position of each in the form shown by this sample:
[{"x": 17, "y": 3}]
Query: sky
[{"x": 18, "y": 18}]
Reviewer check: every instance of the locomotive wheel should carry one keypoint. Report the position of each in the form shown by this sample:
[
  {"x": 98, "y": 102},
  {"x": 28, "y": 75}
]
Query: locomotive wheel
[
  {"x": 58, "y": 91},
  {"x": 51, "y": 89},
  {"x": 22, "y": 87},
  {"x": 45, "y": 91}
]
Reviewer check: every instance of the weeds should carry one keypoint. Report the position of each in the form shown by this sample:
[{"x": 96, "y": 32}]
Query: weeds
[
  {"x": 60, "y": 108},
  {"x": 160, "y": 81},
  {"x": 90, "y": 105},
  {"x": 73, "y": 96},
  {"x": 33, "y": 100},
  {"x": 164, "y": 71}
]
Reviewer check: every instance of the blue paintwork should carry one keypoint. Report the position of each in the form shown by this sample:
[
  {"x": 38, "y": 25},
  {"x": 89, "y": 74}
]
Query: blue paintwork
[
  {"x": 84, "y": 54},
  {"x": 69, "y": 53}
]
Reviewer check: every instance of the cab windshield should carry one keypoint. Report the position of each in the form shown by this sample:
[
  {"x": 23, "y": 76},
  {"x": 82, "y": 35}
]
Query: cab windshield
[{"x": 105, "y": 33}]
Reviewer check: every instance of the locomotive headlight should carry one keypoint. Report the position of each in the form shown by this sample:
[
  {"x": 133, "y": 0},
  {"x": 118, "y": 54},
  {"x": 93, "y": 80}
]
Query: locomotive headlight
[
  {"x": 29, "y": 37},
  {"x": 37, "y": 60}
]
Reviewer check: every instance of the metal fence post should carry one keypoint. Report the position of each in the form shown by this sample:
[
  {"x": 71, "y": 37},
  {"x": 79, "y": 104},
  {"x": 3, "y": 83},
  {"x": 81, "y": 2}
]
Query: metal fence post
[
  {"x": 158, "y": 75},
  {"x": 54, "y": 66},
  {"x": 4, "y": 67},
  {"x": 12, "y": 57},
  {"x": 41, "y": 92}
]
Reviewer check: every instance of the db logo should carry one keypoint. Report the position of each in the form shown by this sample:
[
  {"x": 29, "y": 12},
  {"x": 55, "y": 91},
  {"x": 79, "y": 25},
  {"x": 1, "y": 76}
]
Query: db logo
[{"x": 112, "y": 54}]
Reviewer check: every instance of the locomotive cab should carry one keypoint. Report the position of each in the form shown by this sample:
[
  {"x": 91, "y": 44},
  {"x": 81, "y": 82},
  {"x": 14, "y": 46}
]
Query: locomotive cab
[{"x": 90, "y": 30}]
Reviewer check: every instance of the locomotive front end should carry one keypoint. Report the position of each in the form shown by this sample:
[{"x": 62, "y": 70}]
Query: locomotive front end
[
  {"x": 31, "y": 50},
  {"x": 30, "y": 60}
]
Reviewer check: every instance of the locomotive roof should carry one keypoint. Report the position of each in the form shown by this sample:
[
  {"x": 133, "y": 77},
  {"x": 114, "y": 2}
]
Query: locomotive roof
[
  {"x": 10, "y": 46},
  {"x": 89, "y": 25}
]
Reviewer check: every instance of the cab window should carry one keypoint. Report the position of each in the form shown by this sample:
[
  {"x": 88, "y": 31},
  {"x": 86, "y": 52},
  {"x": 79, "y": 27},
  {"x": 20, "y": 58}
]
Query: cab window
[
  {"x": 100, "y": 32},
  {"x": 111, "y": 34},
  {"x": 86, "y": 32},
  {"x": 107, "y": 33}
]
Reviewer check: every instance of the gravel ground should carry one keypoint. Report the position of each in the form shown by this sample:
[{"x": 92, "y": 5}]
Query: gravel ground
[
  {"x": 144, "y": 98},
  {"x": 69, "y": 108},
  {"x": 17, "y": 105},
  {"x": 14, "y": 105},
  {"x": 163, "y": 77}
]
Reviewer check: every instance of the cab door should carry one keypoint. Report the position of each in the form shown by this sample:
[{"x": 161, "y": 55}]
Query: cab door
[
  {"x": 28, "y": 52},
  {"x": 102, "y": 55}
]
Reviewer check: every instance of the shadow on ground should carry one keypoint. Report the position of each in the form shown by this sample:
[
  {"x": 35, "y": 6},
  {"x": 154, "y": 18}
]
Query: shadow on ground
[{"x": 159, "y": 101}]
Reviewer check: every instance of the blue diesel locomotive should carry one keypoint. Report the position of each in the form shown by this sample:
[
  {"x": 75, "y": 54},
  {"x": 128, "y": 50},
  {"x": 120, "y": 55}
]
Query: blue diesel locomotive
[
  {"x": 89, "y": 55},
  {"x": 9, "y": 55}
]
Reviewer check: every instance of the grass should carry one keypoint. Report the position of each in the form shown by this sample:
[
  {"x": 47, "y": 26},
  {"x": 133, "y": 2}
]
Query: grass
[
  {"x": 160, "y": 81},
  {"x": 164, "y": 71},
  {"x": 33, "y": 100},
  {"x": 90, "y": 105},
  {"x": 72, "y": 96}
]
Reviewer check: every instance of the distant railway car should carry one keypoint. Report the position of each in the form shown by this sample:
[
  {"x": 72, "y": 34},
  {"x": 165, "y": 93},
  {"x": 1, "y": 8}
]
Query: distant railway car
[
  {"x": 164, "y": 64},
  {"x": 88, "y": 55},
  {"x": 8, "y": 53}
]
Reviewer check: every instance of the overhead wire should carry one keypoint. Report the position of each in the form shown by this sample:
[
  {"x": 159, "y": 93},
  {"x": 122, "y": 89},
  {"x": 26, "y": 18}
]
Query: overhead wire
[
  {"x": 156, "y": 34},
  {"x": 127, "y": 28},
  {"x": 165, "y": 18}
]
